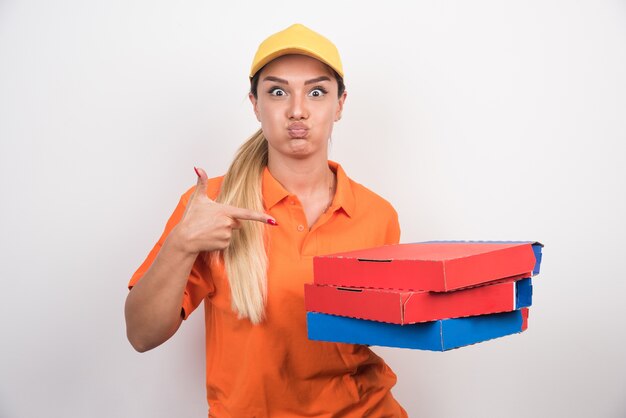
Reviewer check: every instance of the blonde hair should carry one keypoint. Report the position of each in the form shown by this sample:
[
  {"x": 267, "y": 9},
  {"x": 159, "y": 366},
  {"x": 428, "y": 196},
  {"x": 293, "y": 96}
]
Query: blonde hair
[{"x": 245, "y": 260}]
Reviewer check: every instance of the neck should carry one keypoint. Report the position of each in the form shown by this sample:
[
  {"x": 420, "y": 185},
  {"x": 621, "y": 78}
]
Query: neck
[{"x": 304, "y": 177}]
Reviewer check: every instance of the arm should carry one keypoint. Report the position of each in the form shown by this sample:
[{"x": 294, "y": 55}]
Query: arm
[{"x": 153, "y": 306}]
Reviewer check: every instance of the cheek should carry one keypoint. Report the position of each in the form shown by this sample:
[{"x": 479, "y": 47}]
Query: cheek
[
  {"x": 270, "y": 119},
  {"x": 327, "y": 115}
]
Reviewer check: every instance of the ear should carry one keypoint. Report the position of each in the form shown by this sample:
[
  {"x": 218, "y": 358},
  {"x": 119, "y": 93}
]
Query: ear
[
  {"x": 339, "y": 111},
  {"x": 254, "y": 102}
]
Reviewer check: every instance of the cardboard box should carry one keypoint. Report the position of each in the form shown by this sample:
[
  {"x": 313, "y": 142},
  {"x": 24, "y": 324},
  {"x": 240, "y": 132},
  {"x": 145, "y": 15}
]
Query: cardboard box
[
  {"x": 405, "y": 307},
  {"x": 439, "y": 335},
  {"x": 432, "y": 266}
]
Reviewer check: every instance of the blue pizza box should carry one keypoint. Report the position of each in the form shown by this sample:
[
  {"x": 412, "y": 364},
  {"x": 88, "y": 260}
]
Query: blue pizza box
[{"x": 441, "y": 335}]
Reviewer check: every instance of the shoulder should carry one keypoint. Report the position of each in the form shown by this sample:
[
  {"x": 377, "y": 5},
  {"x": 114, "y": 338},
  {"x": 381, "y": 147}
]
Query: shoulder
[
  {"x": 358, "y": 199},
  {"x": 213, "y": 188},
  {"x": 369, "y": 208},
  {"x": 366, "y": 199}
]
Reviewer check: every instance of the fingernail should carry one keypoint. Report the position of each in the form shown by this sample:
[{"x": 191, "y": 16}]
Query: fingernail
[
  {"x": 197, "y": 172},
  {"x": 272, "y": 222}
]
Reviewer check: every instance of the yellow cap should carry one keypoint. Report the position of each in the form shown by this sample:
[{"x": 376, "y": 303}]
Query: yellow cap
[{"x": 297, "y": 39}]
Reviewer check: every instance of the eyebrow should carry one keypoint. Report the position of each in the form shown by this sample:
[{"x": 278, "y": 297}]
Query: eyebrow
[{"x": 283, "y": 81}]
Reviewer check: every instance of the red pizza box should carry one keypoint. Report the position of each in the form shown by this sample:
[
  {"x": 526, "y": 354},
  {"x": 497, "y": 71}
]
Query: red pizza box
[
  {"x": 432, "y": 266},
  {"x": 406, "y": 307}
]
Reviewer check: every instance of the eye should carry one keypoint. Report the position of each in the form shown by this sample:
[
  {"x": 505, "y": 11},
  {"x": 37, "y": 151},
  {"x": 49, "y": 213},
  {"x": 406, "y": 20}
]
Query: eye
[
  {"x": 277, "y": 91},
  {"x": 317, "y": 92}
]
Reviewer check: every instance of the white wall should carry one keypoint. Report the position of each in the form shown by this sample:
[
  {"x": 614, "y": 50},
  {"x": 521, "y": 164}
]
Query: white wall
[{"x": 477, "y": 119}]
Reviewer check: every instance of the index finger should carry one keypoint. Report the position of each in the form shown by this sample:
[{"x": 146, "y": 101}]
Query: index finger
[{"x": 250, "y": 215}]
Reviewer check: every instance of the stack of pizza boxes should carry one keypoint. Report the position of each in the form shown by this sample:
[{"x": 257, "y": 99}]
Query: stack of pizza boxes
[{"x": 431, "y": 296}]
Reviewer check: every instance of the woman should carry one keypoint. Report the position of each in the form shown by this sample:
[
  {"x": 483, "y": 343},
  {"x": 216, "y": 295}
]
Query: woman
[{"x": 218, "y": 247}]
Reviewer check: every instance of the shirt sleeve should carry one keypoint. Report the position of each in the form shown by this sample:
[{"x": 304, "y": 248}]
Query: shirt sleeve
[
  {"x": 393, "y": 229},
  {"x": 199, "y": 284}
]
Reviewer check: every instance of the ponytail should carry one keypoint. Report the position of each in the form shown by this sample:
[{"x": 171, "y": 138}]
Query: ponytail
[{"x": 245, "y": 260}]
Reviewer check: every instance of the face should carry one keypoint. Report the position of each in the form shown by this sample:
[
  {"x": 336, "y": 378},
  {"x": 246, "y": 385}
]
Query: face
[{"x": 297, "y": 106}]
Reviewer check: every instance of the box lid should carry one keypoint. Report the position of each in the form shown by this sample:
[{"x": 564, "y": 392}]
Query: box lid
[{"x": 433, "y": 266}]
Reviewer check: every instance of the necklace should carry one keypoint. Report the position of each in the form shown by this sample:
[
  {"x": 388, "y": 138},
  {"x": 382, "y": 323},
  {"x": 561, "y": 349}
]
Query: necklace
[{"x": 331, "y": 191}]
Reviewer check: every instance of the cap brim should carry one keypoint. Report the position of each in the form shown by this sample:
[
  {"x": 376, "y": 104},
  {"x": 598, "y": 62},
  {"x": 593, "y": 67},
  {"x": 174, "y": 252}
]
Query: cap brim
[{"x": 288, "y": 51}]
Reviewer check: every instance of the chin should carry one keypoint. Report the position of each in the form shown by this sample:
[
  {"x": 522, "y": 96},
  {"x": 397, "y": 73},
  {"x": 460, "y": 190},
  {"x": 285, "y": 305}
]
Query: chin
[
  {"x": 300, "y": 147},
  {"x": 300, "y": 155}
]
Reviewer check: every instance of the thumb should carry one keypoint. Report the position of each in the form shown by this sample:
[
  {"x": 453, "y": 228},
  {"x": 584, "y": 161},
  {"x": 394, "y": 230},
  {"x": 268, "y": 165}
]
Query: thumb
[{"x": 201, "y": 186}]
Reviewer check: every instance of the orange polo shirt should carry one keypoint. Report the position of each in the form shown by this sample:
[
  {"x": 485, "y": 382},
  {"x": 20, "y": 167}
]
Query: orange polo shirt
[{"x": 273, "y": 369}]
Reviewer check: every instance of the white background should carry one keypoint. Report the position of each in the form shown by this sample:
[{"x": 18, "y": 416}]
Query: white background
[{"x": 476, "y": 119}]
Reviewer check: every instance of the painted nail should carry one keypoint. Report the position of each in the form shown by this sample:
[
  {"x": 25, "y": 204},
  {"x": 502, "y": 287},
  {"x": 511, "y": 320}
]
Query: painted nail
[
  {"x": 197, "y": 172},
  {"x": 272, "y": 222}
]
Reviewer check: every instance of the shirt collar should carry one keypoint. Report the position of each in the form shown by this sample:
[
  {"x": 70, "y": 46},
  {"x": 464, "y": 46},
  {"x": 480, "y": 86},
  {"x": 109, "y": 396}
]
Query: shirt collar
[{"x": 274, "y": 192}]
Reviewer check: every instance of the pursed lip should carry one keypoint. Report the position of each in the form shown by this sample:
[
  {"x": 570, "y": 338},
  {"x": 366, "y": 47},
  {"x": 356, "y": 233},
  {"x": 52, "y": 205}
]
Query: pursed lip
[{"x": 297, "y": 130}]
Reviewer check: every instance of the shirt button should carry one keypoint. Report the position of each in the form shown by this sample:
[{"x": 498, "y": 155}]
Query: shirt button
[
  {"x": 291, "y": 202},
  {"x": 300, "y": 228}
]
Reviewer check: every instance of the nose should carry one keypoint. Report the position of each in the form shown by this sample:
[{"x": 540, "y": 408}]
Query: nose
[{"x": 297, "y": 107}]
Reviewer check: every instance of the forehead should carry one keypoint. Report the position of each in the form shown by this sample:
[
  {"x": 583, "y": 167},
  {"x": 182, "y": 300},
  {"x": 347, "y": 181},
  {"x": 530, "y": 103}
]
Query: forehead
[{"x": 296, "y": 66}]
